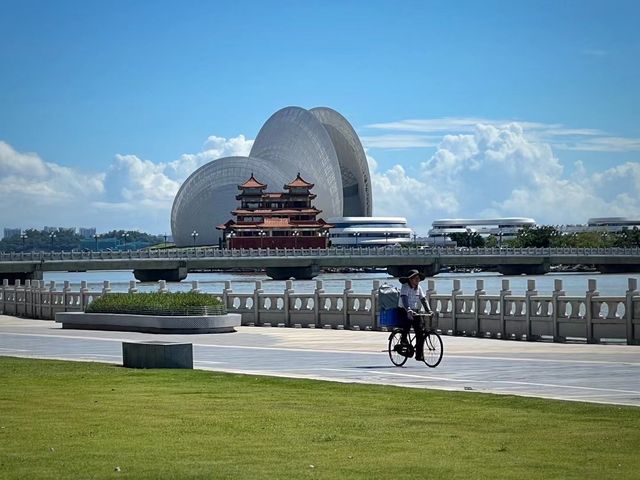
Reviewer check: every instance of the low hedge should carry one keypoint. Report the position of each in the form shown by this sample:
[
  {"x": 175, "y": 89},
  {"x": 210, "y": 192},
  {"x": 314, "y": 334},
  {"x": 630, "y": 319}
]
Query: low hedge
[{"x": 155, "y": 303}]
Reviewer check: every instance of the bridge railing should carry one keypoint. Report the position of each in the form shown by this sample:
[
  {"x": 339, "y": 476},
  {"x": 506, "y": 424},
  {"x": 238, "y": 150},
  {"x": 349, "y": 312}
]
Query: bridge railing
[
  {"x": 204, "y": 252},
  {"x": 555, "y": 317}
]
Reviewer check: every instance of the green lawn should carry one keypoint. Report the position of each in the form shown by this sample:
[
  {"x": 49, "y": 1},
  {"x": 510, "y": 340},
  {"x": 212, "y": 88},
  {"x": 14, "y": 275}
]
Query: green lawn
[{"x": 87, "y": 420}]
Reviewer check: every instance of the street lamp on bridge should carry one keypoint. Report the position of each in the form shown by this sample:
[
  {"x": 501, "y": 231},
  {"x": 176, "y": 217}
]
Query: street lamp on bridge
[
  {"x": 125, "y": 235},
  {"x": 95, "y": 237},
  {"x": 52, "y": 235},
  {"x": 295, "y": 234},
  {"x": 194, "y": 235},
  {"x": 357, "y": 234},
  {"x": 261, "y": 234},
  {"x": 23, "y": 236}
]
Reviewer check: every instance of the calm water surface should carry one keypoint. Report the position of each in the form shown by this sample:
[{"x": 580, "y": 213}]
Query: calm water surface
[{"x": 573, "y": 283}]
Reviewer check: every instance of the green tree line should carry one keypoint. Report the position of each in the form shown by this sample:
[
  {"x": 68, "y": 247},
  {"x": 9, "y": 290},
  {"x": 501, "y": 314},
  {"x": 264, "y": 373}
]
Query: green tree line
[
  {"x": 549, "y": 236},
  {"x": 67, "y": 239}
]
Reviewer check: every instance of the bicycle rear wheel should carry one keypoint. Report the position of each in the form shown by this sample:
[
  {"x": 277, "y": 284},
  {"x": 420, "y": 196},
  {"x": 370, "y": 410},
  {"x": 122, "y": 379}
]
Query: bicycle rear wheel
[
  {"x": 433, "y": 349},
  {"x": 395, "y": 340}
]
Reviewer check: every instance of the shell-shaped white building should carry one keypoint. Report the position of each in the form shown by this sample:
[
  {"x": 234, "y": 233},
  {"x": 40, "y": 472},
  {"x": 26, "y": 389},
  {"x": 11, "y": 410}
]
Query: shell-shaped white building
[{"x": 319, "y": 143}]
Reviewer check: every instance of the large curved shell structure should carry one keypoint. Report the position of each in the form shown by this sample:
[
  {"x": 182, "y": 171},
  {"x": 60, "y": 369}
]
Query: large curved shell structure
[
  {"x": 293, "y": 140},
  {"x": 319, "y": 144},
  {"x": 208, "y": 196},
  {"x": 354, "y": 169}
]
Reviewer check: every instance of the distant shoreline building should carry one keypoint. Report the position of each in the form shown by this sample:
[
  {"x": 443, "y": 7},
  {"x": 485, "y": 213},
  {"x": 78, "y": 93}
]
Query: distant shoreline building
[
  {"x": 603, "y": 224},
  {"x": 503, "y": 228},
  {"x": 275, "y": 219},
  {"x": 369, "y": 231},
  {"x": 12, "y": 232}
]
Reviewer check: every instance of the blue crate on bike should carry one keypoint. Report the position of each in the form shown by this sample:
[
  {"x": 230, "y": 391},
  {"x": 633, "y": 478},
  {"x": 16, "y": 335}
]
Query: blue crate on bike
[{"x": 389, "y": 318}]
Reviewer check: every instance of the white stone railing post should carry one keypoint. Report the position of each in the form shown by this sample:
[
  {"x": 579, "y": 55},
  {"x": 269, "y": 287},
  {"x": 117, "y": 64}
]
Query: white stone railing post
[
  {"x": 226, "y": 294},
  {"x": 83, "y": 295},
  {"x": 195, "y": 287},
  {"x": 374, "y": 305},
  {"x": 591, "y": 292},
  {"x": 345, "y": 303},
  {"x": 503, "y": 303},
  {"x": 557, "y": 311},
  {"x": 133, "y": 286},
  {"x": 628, "y": 312},
  {"x": 34, "y": 298},
  {"x": 51, "y": 293},
  {"x": 288, "y": 291},
  {"x": 431, "y": 291},
  {"x": 256, "y": 302},
  {"x": 5, "y": 288},
  {"x": 106, "y": 287},
  {"x": 28, "y": 303},
  {"x": 66, "y": 290},
  {"x": 36, "y": 290},
  {"x": 316, "y": 301},
  {"x": 477, "y": 294},
  {"x": 531, "y": 291},
  {"x": 162, "y": 286},
  {"x": 454, "y": 306}
]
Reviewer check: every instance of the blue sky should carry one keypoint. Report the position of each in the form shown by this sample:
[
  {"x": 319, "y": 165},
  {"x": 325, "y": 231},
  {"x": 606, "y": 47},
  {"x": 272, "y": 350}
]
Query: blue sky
[{"x": 477, "y": 108}]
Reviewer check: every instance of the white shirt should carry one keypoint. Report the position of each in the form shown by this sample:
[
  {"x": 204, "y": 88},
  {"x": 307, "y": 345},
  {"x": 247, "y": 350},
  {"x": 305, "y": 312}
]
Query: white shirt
[{"x": 413, "y": 296}]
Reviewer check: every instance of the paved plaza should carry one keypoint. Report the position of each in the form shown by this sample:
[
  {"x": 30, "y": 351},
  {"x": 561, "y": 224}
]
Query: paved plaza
[{"x": 579, "y": 372}]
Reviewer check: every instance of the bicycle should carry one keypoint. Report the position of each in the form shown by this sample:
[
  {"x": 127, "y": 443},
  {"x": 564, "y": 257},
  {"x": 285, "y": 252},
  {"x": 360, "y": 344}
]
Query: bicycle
[{"x": 400, "y": 351}]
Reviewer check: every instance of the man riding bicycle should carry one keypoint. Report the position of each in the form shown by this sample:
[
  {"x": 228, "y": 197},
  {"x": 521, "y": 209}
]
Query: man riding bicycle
[{"x": 410, "y": 294}]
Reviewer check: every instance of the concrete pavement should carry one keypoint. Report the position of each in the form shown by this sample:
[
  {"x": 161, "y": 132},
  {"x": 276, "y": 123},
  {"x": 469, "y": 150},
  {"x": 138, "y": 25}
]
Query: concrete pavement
[{"x": 579, "y": 372}]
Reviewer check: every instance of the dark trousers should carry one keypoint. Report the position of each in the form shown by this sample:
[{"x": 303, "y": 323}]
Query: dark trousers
[{"x": 416, "y": 323}]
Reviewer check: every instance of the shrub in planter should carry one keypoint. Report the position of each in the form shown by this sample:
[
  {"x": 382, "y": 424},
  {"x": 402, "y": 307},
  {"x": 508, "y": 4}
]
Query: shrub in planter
[{"x": 155, "y": 303}]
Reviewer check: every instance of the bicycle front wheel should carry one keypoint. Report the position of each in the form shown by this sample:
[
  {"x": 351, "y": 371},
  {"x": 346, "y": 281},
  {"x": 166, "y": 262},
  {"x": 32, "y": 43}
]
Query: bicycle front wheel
[
  {"x": 433, "y": 349},
  {"x": 395, "y": 340}
]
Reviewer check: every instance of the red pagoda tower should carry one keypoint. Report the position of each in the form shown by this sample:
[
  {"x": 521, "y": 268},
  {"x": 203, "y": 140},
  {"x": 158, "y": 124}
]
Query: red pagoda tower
[{"x": 275, "y": 219}]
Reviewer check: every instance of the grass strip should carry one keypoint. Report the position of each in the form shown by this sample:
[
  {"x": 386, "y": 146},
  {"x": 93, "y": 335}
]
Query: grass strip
[{"x": 87, "y": 420}]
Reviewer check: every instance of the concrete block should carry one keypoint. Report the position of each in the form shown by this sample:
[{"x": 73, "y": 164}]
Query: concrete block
[{"x": 157, "y": 355}]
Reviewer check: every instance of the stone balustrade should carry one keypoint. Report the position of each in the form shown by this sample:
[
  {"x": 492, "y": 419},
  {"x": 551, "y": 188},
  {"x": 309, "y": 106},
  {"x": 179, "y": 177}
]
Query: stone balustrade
[
  {"x": 207, "y": 252},
  {"x": 532, "y": 316}
]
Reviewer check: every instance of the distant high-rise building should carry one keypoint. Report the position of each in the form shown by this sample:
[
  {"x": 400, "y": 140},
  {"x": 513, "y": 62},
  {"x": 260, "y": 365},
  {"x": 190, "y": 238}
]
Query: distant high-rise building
[
  {"x": 50, "y": 229},
  {"x": 87, "y": 232},
  {"x": 11, "y": 232}
]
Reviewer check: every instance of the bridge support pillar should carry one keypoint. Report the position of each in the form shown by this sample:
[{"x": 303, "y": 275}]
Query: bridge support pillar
[
  {"x": 524, "y": 269},
  {"x": 168, "y": 274},
  {"x": 426, "y": 270},
  {"x": 22, "y": 276},
  {"x": 299, "y": 273}
]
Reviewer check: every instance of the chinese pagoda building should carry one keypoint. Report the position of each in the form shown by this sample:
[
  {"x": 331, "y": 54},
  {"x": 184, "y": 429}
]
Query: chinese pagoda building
[{"x": 275, "y": 219}]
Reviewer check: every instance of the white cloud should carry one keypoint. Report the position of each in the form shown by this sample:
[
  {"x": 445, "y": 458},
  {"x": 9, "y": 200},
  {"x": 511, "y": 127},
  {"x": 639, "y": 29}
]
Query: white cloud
[
  {"x": 132, "y": 193},
  {"x": 399, "y": 141},
  {"x": 491, "y": 170},
  {"x": 501, "y": 171},
  {"x": 26, "y": 179},
  {"x": 558, "y": 136},
  {"x": 214, "y": 147}
]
